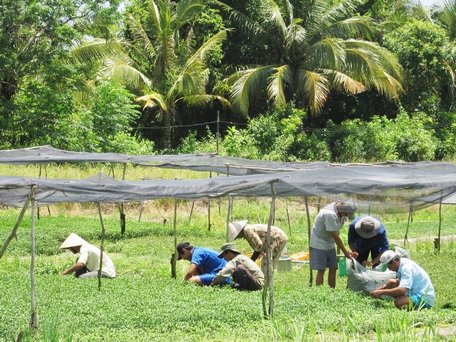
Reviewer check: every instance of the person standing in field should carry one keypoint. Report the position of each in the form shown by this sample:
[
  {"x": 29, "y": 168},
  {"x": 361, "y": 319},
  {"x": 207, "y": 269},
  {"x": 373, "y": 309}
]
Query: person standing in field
[
  {"x": 88, "y": 262},
  {"x": 367, "y": 235},
  {"x": 324, "y": 238},
  {"x": 255, "y": 235},
  {"x": 246, "y": 274},
  {"x": 412, "y": 287},
  {"x": 204, "y": 263}
]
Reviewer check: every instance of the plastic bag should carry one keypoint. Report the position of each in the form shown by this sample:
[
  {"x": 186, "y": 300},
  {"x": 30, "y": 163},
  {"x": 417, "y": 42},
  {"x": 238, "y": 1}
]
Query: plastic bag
[{"x": 361, "y": 279}]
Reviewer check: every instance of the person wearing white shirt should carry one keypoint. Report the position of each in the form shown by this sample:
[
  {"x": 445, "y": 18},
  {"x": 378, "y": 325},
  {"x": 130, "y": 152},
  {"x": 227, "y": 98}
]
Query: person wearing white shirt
[{"x": 88, "y": 262}]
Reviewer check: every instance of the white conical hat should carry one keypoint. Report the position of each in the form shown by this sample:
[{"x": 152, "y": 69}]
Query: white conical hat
[
  {"x": 234, "y": 228},
  {"x": 72, "y": 241}
]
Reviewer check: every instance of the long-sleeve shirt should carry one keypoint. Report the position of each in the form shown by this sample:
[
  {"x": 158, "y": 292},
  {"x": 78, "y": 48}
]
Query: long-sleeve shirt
[{"x": 243, "y": 260}]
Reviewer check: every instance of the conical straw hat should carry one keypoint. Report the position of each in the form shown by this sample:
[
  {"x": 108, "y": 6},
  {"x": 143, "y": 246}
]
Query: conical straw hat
[
  {"x": 72, "y": 241},
  {"x": 234, "y": 228}
]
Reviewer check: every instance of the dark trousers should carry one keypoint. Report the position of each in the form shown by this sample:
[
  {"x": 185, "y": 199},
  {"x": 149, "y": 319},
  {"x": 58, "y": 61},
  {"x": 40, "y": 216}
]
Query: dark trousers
[
  {"x": 363, "y": 255},
  {"x": 244, "y": 280}
]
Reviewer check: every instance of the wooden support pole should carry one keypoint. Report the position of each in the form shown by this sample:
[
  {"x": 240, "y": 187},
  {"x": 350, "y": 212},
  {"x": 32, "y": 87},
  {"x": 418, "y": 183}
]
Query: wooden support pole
[
  {"x": 209, "y": 208},
  {"x": 101, "y": 245},
  {"x": 268, "y": 310},
  {"x": 34, "y": 317},
  {"x": 437, "y": 241},
  {"x": 228, "y": 218},
  {"x": 121, "y": 207},
  {"x": 16, "y": 225},
  {"x": 308, "y": 236},
  {"x": 173, "y": 255},
  {"x": 288, "y": 217},
  {"x": 408, "y": 224},
  {"x": 191, "y": 212}
]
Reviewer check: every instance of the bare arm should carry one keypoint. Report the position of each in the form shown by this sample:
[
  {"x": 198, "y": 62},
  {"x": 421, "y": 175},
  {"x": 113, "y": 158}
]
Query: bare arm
[
  {"x": 340, "y": 244},
  {"x": 75, "y": 267},
  {"x": 394, "y": 292},
  {"x": 191, "y": 272}
]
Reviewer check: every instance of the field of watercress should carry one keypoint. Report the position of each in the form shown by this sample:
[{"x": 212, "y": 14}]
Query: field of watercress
[{"x": 145, "y": 304}]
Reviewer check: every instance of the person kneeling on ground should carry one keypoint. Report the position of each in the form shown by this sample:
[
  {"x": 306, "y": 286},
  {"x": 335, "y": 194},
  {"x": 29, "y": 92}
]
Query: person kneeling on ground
[
  {"x": 246, "y": 274},
  {"x": 204, "y": 263},
  {"x": 88, "y": 262},
  {"x": 412, "y": 288}
]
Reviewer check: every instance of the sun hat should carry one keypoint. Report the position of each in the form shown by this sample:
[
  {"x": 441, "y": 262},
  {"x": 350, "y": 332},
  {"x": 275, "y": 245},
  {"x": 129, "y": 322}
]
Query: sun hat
[
  {"x": 180, "y": 247},
  {"x": 346, "y": 207},
  {"x": 234, "y": 228},
  {"x": 229, "y": 246},
  {"x": 73, "y": 240},
  {"x": 387, "y": 256},
  {"x": 367, "y": 227}
]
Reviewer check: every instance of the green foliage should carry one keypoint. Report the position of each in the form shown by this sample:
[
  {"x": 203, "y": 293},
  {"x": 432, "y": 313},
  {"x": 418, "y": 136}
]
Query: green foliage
[
  {"x": 112, "y": 112},
  {"x": 238, "y": 143},
  {"x": 424, "y": 51},
  {"x": 414, "y": 142}
]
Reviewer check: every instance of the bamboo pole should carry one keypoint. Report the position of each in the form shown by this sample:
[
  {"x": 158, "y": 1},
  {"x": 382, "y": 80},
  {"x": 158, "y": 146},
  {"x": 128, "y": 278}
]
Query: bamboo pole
[
  {"x": 173, "y": 255},
  {"x": 209, "y": 208},
  {"x": 121, "y": 207},
  {"x": 16, "y": 225},
  {"x": 308, "y": 237},
  {"x": 34, "y": 317},
  {"x": 268, "y": 310},
  {"x": 101, "y": 245},
  {"x": 437, "y": 241},
  {"x": 288, "y": 217},
  {"x": 408, "y": 224}
]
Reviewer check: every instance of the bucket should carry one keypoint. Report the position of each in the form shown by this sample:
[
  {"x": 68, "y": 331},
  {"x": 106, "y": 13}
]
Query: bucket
[
  {"x": 284, "y": 265},
  {"x": 342, "y": 267}
]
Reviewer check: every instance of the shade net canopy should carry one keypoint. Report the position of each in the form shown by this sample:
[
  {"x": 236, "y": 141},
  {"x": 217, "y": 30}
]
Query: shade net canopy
[
  {"x": 195, "y": 162},
  {"x": 396, "y": 187}
]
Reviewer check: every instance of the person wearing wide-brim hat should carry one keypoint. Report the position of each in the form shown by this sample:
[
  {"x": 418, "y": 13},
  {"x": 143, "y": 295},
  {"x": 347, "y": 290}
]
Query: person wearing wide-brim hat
[
  {"x": 367, "y": 236},
  {"x": 412, "y": 288},
  {"x": 255, "y": 235},
  {"x": 324, "y": 238},
  {"x": 88, "y": 262},
  {"x": 246, "y": 274}
]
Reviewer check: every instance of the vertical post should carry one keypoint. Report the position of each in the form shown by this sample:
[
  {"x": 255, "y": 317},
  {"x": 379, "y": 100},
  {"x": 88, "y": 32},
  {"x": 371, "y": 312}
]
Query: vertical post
[
  {"x": 218, "y": 131},
  {"x": 101, "y": 245},
  {"x": 268, "y": 310},
  {"x": 209, "y": 208},
  {"x": 228, "y": 217},
  {"x": 308, "y": 237},
  {"x": 288, "y": 217},
  {"x": 173, "y": 255},
  {"x": 121, "y": 207},
  {"x": 191, "y": 212},
  {"x": 34, "y": 317},
  {"x": 437, "y": 241},
  {"x": 408, "y": 223}
]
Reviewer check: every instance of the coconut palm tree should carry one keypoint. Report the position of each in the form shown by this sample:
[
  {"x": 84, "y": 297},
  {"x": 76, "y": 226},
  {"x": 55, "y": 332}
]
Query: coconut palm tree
[
  {"x": 318, "y": 46},
  {"x": 158, "y": 60}
]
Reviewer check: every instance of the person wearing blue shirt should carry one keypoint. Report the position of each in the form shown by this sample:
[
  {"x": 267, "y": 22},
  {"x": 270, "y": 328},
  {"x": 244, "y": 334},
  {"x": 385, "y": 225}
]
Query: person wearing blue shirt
[
  {"x": 367, "y": 235},
  {"x": 204, "y": 263},
  {"x": 412, "y": 287}
]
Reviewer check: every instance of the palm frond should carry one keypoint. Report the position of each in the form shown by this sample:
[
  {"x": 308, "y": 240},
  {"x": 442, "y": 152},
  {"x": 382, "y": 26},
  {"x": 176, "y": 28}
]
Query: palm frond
[
  {"x": 314, "y": 88},
  {"x": 207, "y": 46},
  {"x": 125, "y": 73},
  {"x": 353, "y": 27},
  {"x": 204, "y": 99},
  {"x": 185, "y": 11},
  {"x": 247, "y": 84},
  {"x": 155, "y": 14},
  {"x": 347, "y": 83},
  {"x": 327, "y": 53},
  {"x": 296, "y": 36},
  {"x": 153, "y": 99},
  {"x": 140, "y": 37},
  {"x": 97, "y": 50},
  {"x": 276, "y": 17},
  {"x": 192, "y": 80},
  {"x": 276, "y": 82},
  {"x": 250, "y": 27}
]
